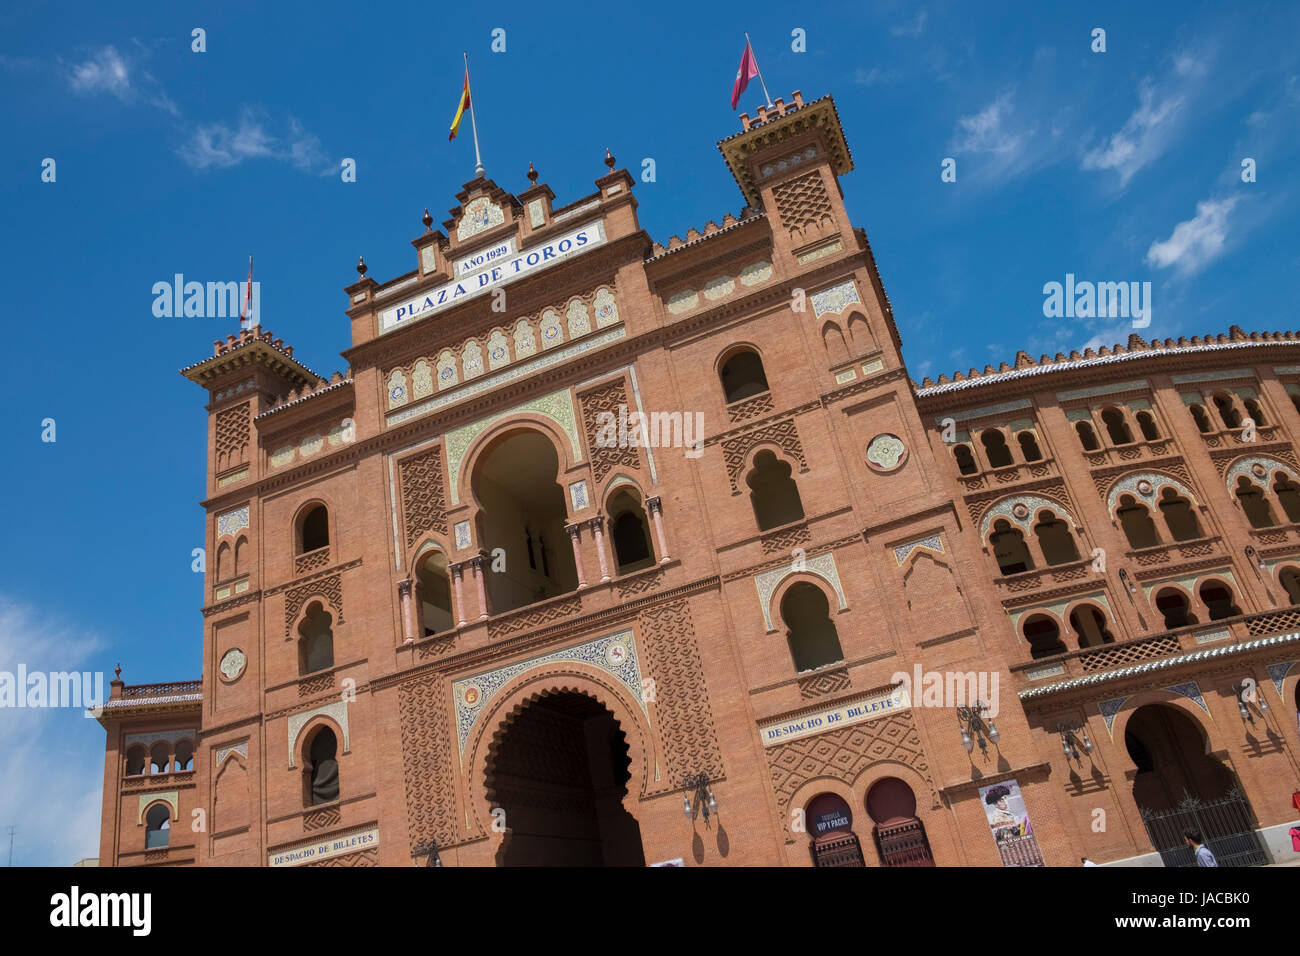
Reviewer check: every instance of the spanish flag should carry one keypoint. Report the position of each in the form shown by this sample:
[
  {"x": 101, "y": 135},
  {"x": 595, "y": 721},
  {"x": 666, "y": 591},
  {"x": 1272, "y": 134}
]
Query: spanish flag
[{"x": 461, "y": 106}]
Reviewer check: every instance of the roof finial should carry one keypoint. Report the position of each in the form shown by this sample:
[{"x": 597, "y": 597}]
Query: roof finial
[
  {"x": 532, "y": 173},
  {"x": 427, "y": 220},
  {"x": 609, "y": 159},
  {"x": 361, "y": 266},
  {"x": 117, "y": 671}
]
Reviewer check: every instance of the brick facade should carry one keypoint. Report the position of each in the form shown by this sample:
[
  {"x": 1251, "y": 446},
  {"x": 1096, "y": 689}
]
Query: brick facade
[{"x": 911, "y": 497}]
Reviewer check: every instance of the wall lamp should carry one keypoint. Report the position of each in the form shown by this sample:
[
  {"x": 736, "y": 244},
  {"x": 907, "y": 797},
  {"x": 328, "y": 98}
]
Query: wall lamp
[
  {"x": 703, "y": 795},
  {"x": 971, "y": 721},
  {"x": 1247, "y": 694},
  {"x": 1253, "y": 556},
  {"x": 428, "y": 848},
  {"x": 1126, "y": 581},
  {"x": 1072, "y": 743}
]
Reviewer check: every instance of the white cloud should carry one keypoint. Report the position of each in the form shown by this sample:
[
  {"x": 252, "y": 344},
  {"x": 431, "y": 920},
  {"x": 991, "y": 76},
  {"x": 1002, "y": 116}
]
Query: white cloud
[
  {"x": 51, "y": 759},
  {"x": 911, "y": 28},
  {"x": 874, "y": 76},
  {"x": 218, "y": 146},
  {"x": 105, "y": 72},
  {"x": 986, "y": 131},
  {"x": 1196, "y": 241},
  {"x": 1143, "y": 137}
]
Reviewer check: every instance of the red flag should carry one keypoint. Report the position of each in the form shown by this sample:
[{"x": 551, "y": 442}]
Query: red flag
[
  {"x": 747, "y": 71},
  {"x": 248, "y": 297}
]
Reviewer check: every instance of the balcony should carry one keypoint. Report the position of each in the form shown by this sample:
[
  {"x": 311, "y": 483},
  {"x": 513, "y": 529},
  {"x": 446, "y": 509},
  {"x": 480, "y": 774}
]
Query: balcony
[
  {"x": 1121, "y": 659},
  {"x": 1128, "y": 454},
  {"x": 1176, "y": 551},
  {"x": 1051, "y": 576},
  {"x": 1282, "y": 534},
  {"x": 1231, "y": 437},
  {"x": 1008, "y": 475}
]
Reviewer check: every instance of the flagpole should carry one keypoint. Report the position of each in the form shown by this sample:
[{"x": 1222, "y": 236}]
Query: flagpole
[
  {"x": 478, "y": 160},
  {"x": 756, "y": 67}
]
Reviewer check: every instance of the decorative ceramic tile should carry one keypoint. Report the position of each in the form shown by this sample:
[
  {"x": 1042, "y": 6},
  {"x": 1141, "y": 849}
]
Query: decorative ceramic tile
[
  {"x": 886, "y": 452},
  {"x": 552, "y": 334},
  {"x": 823, "y": 566},
  {"x": 311, "y": 445},
  {"x": 421, "y": 379},
  {"x": 241, "y": 586},
  {"x": 986, "y": 411},
  {"x": 232, "y": 522},
  {"x": 1021, "y": 510},
  {"x": 1098, "y": 390},
  {"x": 337, "y": 710},
  {"x": 557, "y": 406},
  {"x": 462, "y": 535},
  {"x": 578, "y": 495},
  {"x": 846, "y": 376},
  {"x": 283, "y": 455},
  {"x": 1109, "y": 708},
  {"x": 579, "y": 320},
  {"x": 428, "y": 262},
  {"x": 616, "y": 654},
  {"x": 820, "y": 252},
  {"x": 1042, "y": 673},
  {"x": 933, "y": 542},
  {"x": 1259, "y": 469},
  {"x": 1212, "y": 376},
  {"x": 1192, "y": 398},
  {"x": 1277, "y": 672},
  {"x": 232, "y": 478},
  {"x": 169, "y": 737},
  {"x": 221, "y": 593},
  {"x": 606, "y": 308},
  {"x": 1191, "y": 691},
  {"x": 232, "y": 664},
  {"x": 719, "y": 287},
  {"x": 836, "y": 298},
  {"x": 480, "y": 214},
  {"x": 1145, "y": 486},
  {"x": 240, "y": 748},
  {"x": 536, "y": 214},
  {"x": 498, "y": 349},
  {"x": 875, "y": 365},
  {"x": 447, "y": 374},
  {"x": 755, "y": 272},
  {"x": 525, "y": 340},
  {"x": 683, "y": 301},
  {"x": 1210, "y": 637},
  {"x": 170, "y": 797},
  {"x": 471, "y": 360},
  {"x": 397, "y": 393}
]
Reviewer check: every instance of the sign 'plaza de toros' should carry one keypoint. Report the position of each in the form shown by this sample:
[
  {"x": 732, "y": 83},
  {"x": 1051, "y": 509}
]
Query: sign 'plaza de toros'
[{"x": 611, "y": 552}]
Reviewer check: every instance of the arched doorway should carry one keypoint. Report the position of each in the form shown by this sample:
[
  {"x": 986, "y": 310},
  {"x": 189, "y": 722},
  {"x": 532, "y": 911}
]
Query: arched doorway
[
  {"x": 560, "y": 770},
  {"x": 1179, "y": 786},
  {"x": 829, "y": 821},
  {"x": 898, "y": 832}
]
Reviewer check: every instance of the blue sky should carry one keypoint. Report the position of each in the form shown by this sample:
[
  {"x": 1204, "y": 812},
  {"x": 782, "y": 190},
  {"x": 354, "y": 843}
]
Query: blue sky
[{"x": 1115, "y": 166}]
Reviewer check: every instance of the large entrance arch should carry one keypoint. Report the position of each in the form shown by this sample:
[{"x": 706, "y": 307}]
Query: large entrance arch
[
  {"x": 560, "y": 770},
  {"x": 1180, "y": 786}
]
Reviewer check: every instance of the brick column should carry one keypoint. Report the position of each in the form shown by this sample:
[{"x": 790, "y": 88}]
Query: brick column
[
  {"x": 457, "y": 580},
  {"x": 656, "y": 507},
  {"x": 597, "y": 525},
  {"x": 404, "y": 590},
  {"x": 574, "y": 531}
]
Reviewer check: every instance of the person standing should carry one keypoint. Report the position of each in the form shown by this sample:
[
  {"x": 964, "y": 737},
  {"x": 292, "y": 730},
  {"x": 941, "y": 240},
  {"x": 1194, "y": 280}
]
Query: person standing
[{"x": 1204, "y": 855}]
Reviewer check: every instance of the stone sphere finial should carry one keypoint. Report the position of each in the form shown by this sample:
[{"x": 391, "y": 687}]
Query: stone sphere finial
[
  {"x": 609, "y": 159},
  {"x": 532, "y": 174},
  {"x": 427, "y": 219},
  {"x": 361, "y": 266}
]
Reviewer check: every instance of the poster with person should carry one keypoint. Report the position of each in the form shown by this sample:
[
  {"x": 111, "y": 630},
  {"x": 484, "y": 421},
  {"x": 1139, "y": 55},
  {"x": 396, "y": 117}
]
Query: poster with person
[{"x": 1008, "y": 820}]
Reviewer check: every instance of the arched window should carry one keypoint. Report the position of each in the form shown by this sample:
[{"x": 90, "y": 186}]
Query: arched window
[
  {"x": 1288, "y": 496},
  {"x": 1258, "y": 511},
  {"x": 315, "y": 529},
  {"x": 184, "y": 756},
  {"x": 1201, "y": 417},
  {"x": 135, "y": 760},
  {"x": 965, "y": 459},
  {"x": 773, "y": 492},
  {"x": 1044, "y": 637},
  {"x": 159, "y": 758},
  {"x": 1137, "y": 524},
  {"x": 157, "y": 827},
  {"x": 1009, "y": 549},
  {"x": 813, "y": 639},
  {"x": 434, "y": 593},
  {"x": 1173, "y": 604},
  {"x": 1116, "y": 427},
  {"x": 1087, "y": 437},
  {"x": 630, "y": 532},
  {"x": 1255, "y": 411},
  {"x": 742, "y": 376},
  {"x": 225, "y": 562},
  {"x": 995, "y": 448},
  {"x": 1147, "y": 423},
  {"x": 1180, "y": 519},
  {"x": 1227, "y": 410},
  {"x": 1089, "y": 626},
  {"x": 1055, "y": 540},
  {"x": 323, "y": 786},
  {"x": 317, "y": 640},
  {"x": 1218, "y": 597},
  {"x": 1029, "y": 446},
  {"x": 1289, "y": 579}
]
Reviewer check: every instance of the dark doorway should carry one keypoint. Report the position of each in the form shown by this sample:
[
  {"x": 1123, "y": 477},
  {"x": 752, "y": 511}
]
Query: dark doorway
[{"x": 560, "y": 771}]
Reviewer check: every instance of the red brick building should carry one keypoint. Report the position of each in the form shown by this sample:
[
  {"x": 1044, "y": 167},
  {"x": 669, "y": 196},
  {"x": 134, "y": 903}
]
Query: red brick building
[{"x": 457, "y": 609}]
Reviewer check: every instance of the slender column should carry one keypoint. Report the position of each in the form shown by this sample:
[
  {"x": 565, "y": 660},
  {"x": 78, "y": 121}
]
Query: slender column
[
  {"x": 574, "y": 530},
  {"x": 597, "y": 525},
  {"x": 656, "y": 507},
  {"x": 480, "y": 580},
  {"x": 458, "y": 580},
  {"x": 404, "y": 590}
]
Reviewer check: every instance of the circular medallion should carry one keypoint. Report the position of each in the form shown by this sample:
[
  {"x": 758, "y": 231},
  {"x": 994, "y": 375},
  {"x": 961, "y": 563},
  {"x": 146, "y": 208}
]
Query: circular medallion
[
  {"x": 1020, "y": 510},
  {"x": 1258, "y": 470},
  {"x": 606, "y": 311},
  {"x": 471, "y": 696},
  {"x": 232, "y": 664},
  {"x": 397, "y": 393},
  {"x": 616, "y": 654},
  {"x": 446, "y": 373},
  {"x": 498, "y": 354},
  {"x": 552, "y": 332},
  {"x": 1145, "y": 487},
  {"x": 886, "y": 452}
]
